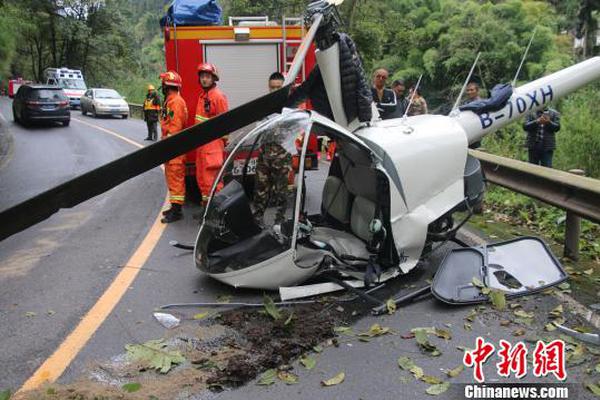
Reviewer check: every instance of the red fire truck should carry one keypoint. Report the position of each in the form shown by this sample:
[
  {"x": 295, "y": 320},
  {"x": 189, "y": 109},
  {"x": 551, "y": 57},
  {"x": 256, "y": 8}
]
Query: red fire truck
[{"x": 246, "y": 52}]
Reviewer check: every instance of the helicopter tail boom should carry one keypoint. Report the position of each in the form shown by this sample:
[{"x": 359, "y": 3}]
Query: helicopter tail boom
[{"x": 529, "y": 98}]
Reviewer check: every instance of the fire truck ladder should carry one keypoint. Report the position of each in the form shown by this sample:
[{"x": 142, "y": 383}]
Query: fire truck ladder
[{"x": 291, "y": 21}]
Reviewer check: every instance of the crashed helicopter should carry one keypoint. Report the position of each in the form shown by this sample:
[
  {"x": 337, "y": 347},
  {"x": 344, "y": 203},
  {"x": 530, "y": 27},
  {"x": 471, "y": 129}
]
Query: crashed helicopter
[{"x": 392, "y": 189}]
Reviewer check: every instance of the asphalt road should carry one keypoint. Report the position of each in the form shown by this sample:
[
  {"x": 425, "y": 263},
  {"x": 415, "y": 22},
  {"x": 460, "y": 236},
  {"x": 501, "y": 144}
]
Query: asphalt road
[
  {"x": 54, "y": 272},
  {"x": 58, "y": 268}
]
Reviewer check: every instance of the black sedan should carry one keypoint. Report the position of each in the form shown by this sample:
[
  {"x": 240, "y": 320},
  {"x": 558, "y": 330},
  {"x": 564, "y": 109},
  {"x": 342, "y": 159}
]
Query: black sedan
[{"x": 41, "y": 103}]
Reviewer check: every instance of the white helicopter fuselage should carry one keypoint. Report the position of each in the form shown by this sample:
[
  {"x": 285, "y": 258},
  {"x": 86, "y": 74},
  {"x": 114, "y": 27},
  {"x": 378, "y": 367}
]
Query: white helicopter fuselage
[{"x": 423, "y": 158}]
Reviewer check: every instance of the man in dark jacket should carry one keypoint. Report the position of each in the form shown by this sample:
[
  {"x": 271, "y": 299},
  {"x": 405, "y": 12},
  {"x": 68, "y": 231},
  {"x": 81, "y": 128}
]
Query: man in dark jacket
[
  {"x": 399, "y": 88},
  {"x": 384, "y": 98},
  {"x": 151, "y": 112},
  {"x": 541, "y": 128}
]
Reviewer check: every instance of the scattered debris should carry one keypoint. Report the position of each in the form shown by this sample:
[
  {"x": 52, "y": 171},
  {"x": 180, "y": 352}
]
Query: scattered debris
[
  {"x": 308, "y": 362},
  {"x": 287, "y": 377},
  {"x": 167, "y": 320},
  {"x": 131, "y": 387},
  {"x": 453, "y": 373},
  {"x": 268, "y": 377},
  {"x": 154, "y": 355},
  {"x": 391, "y": 306},
  {"x": 424, "y": 344},
  {"x": 438, "y": 389},
  {"x": 336, "y": 380}
]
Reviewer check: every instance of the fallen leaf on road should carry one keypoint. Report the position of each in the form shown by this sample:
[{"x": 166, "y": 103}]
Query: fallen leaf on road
[
  {"x": 417, "y": 372},
  {"x": 30, "y": 314},
  {"x": 557, "y": 312},
  {"x": 550, "y": 327},
  {"x": 436, "y": 390},
  {"x": 317, "y": 349},
  {"x": 424, "y": 344},
  {"x": 375, "y": 330},
  {"x": 593, "y": 388},
  {"x": 589, "y": 271},
  {"x": 50, "y": 312},
  {"x": 498, "y": 299},
  {"x": 201, "y": 315},
  {"x": 514, "y": 305},
  {"x": 287, "y": 377},
  {"x": 391, "y": 306},
  {"x": 453, "y": 373},
  {"x": 271, "y": 308},
  {"x": 468, "y": 326},
  {"x": 308, "y": 362},
  {"x": 519, "y": 332},
  {"x": 471, "y": 316},
  {"x": 154, "y": 355},
  {"x": 505, "y": 322},
  {"x": 268, "y": 377},
  {"x": 131, "y": 387},
  {"x": 523, "y": 314},
  {"x": 432, "y": 380},
  {"x": 346, "y": 330},
  {"x": 564, "y": 286},
  {"x": 405, "y": 363},
  {"x": 336, "y": 380}
]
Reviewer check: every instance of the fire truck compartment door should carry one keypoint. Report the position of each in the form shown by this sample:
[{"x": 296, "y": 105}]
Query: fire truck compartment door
[{"x": 244, "y": 69}]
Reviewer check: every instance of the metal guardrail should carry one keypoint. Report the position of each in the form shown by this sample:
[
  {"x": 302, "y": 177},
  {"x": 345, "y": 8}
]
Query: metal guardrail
[
  {"x": 136, "y": 110},
  {"x": 578, "y": 195}
]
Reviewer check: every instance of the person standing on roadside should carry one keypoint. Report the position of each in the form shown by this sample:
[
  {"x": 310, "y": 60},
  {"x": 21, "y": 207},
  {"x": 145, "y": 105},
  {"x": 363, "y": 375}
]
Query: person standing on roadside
[
  {"x": 399, "y": 88},
  {"x": 384, "y": 98},
  {"x": 212, "y": 102},
  {"x": 173, "y": 119},
  {"x": 151, "y": 112},
  {"x": 541, "y": 128}
]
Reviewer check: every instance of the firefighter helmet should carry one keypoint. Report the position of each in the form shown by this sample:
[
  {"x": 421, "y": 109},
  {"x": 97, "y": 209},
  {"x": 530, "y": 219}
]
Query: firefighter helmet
[
  {"x": 171, "y": 78},
  {"x": 151, "y": 87},
  {"x": 210, "y": 68}
]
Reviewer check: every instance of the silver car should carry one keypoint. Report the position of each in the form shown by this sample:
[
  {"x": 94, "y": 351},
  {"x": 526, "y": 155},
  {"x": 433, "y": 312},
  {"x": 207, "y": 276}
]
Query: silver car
[{"x": 104, "y": 102}]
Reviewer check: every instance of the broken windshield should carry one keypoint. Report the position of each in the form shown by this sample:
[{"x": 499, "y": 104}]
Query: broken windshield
[{"x": 251, "y": 219}]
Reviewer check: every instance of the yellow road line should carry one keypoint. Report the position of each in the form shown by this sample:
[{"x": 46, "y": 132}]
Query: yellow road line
[
  {"x": 56, "y": 364},
  {"x": 113, "y": 133}
]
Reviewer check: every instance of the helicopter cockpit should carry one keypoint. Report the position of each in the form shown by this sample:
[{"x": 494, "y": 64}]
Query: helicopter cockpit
[{"x": 278, "y": 214}]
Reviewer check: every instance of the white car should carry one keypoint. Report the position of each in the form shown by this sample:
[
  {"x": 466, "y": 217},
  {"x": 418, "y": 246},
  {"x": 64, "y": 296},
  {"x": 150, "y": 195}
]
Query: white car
[{"x": 104, "y": 102}]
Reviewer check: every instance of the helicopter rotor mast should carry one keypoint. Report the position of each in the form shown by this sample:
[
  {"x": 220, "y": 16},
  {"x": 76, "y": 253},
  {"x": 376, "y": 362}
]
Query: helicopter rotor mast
[{"x": 530, "y": 97}]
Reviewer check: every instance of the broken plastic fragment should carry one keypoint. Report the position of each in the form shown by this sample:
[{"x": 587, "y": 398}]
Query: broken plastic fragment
[{"x": 167, "y": 320}]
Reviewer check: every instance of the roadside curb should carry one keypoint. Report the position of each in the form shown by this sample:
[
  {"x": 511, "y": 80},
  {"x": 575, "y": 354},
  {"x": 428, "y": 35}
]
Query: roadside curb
[
  {"x": 6, "y": 143},
  {"x": 469, "y": 235}
]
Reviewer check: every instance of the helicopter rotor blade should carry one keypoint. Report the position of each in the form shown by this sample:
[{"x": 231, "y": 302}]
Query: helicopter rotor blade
[{"x": 106, "y": 177}]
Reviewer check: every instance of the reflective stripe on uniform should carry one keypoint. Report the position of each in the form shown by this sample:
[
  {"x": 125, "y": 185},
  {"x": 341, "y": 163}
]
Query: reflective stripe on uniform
[{"x": 201, "y": 118}]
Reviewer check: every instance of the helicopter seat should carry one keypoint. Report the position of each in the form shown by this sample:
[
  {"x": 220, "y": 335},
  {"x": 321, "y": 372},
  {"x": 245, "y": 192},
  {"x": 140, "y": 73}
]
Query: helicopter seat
[{"x": 336, "y": 200}]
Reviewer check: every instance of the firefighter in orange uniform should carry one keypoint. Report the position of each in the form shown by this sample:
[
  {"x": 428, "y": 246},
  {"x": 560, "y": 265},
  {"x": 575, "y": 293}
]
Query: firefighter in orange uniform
[
  {"x": 212, "y": 102},
  {"x": 173, "y": 120}
]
